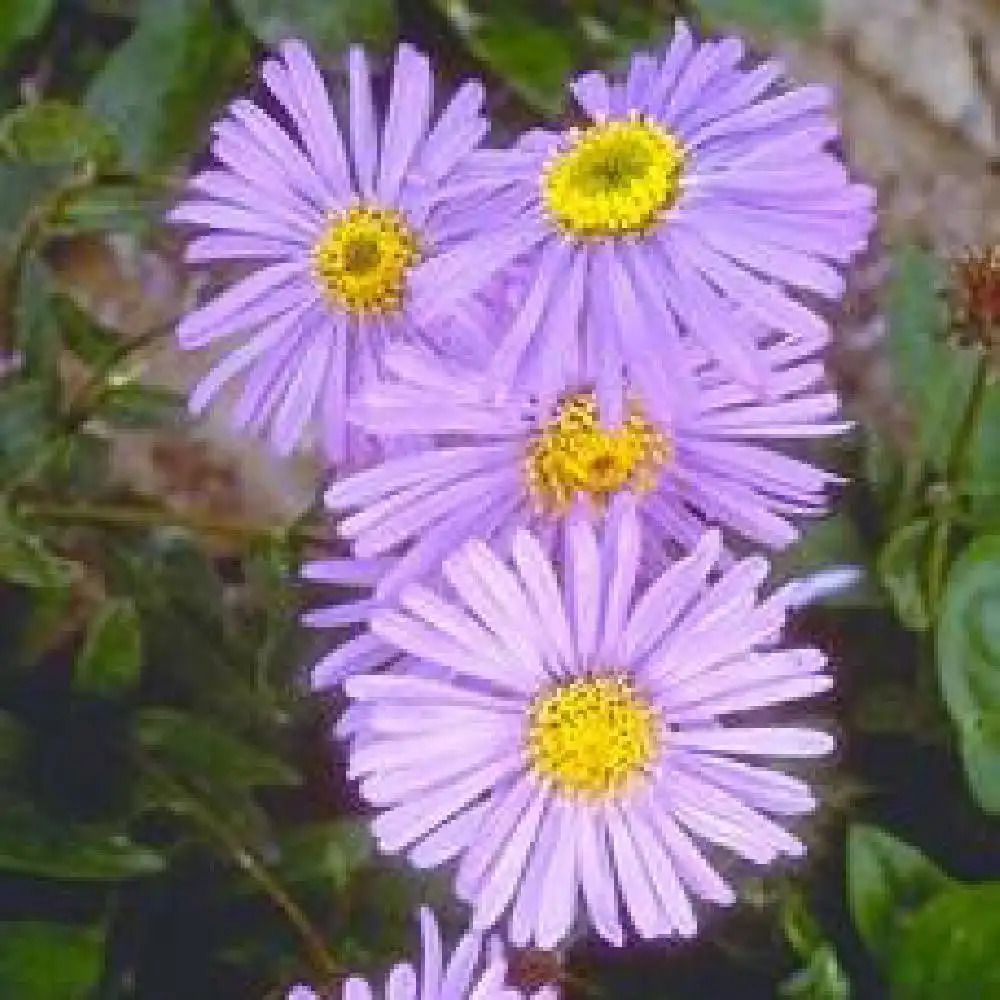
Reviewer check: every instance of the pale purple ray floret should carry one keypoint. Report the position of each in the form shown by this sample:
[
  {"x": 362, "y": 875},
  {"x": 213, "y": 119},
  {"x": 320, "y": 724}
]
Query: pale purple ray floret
[{"x": 578, "y": 746}]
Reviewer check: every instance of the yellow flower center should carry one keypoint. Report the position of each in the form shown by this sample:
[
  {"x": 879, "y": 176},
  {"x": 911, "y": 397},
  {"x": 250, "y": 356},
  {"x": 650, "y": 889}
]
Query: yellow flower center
[
  {"x": 616, "y": 177},
  {"x": 362, "y": 259},
  {"x": 593, "y": 736},
  {"x": 574, "y": 454}
]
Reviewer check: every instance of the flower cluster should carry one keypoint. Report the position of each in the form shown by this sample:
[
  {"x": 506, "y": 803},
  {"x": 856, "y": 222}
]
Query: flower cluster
[{"x": 566, "y": 386}]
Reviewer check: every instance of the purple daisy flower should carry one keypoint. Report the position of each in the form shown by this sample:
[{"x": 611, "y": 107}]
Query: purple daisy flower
[
  {"x": 454, "y": 979},
  {"x": 703, "y": 197},
  {"x": 347, "y": 252},
  {"x": 484, "y": 467},
  {"x": 582, "y": 738}
]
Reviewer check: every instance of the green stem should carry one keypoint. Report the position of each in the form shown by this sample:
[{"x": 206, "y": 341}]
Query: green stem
[
  {"x": 30, "y": 233},
  {"x": 245, "y": 859},
  {"x": 122, "y": 516},
  {"x": 915, "y": 481},
  {"x": 956, "y": 466},
  {"x": 965, "y": 434},
  {"x": 84, "y": 405},
  {"x": 936, "y": 562}
]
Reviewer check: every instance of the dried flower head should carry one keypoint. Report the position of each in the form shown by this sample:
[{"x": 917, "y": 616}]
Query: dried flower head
[{"x": 975, "y": 302}]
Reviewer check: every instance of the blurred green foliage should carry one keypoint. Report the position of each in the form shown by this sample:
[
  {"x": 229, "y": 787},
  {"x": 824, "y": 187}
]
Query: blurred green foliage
[{"x": 170, "y": 822}]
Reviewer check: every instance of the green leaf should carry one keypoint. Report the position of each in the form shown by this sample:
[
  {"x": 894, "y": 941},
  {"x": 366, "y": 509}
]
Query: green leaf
[
  {"x": 327, "y": 26},
  {"x": 25, "y": 560},
  {"x": 968, "y": 659},
  {"x": 118, "y": 207},
  {"x": 201, "y": 753},
  {"x": 92, "y": 343},
  {"x": 933, "y": 378},
  {"x": 948, "y": 949},
  {"x": 611, "y": 29},
  {"x": 33, "y": 844},
  {"x": 20, "y": 21},
  {"x": 328, "y": 852},
  {"x": 823, "y": 978},
  {"x": 802, "y": 929},
  {"x": 205, "y": 810},
  {"x": 203, "y": 774},
  {"x": 112, "y": 652},
  {"x": 22, "y": 187},
  {"x": 533, "y": 57},
  {"x": 188, "y": 632},
  {"x": 886, "y": 879},
  {"x": 901, "y": 567},
  {"x": 982, "y": 482},
  {"x": 25, "y": 419},
  {"x": 45, "y": 625},
  {"x": 157, "y": 88},
  {"x": 57, "y": 133},
  {"x": 135, "y": 406},
  {"x": 980, "y": 747},
  {"x": 36, "y": 324},
  {"x": 126, "y": 9},
  {"x": 883, "y": 466},
  {"x": 793, "y": 15},
  {"x": 49, "y": 961},
  {"x": 12, "y": 737}
]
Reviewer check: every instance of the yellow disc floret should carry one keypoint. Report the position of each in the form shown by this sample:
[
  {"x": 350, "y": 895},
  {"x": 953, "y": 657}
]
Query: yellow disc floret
[
  {"x": 574, "y": 455},
  {"x": 362, "y": 259},
  {"x": 614, "y": 178},
  {"x": 593, "y": 736}
]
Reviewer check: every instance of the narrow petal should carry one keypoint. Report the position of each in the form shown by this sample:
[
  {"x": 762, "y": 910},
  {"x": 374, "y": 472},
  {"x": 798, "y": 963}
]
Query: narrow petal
[
  {"x": 592, "y": 94},
  {"x": 560, "y": 888},
  {"x": 364, "y": 134},
  {"x": 596, "y": 878},
  {"x": 319, "y": 125},
  {"x": 402, "y": 983},
  {"x": 405, "y": 824},
  {"x": 502, "y": 880},
  {"x": 769, "y": 742},
  {"x": 636, "y": 890},
  {"x": 406, "y": 122},
  {"x": 584, "y": 579}
]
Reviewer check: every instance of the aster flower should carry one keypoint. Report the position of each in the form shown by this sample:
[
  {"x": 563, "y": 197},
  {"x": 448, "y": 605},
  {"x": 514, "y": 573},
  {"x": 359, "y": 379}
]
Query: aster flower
[
  {"x": 701, "y": 196},
  {"x": 437, "y": 979},
  {"x": 486, "y": 466},
  {"x": 345, "y": 252},
  {"x": 581, "y": 739}
]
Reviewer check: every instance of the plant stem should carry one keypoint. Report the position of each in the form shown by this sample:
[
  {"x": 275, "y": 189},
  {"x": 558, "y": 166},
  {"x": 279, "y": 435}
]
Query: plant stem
[
  {"x": 936, "y": 562},
  {"x": 965, "y": 434},
  {"x": 955, "y": 467},
  {"x": 84, "y": 405},
  {"x": 122, "y": 516},
  {"x": 312, "y": 942},
  {"x": 29, "y": 234}
]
